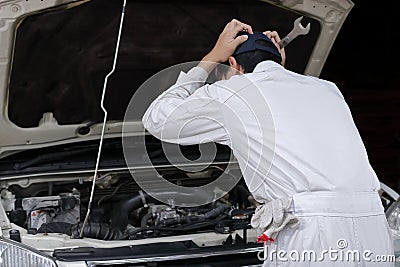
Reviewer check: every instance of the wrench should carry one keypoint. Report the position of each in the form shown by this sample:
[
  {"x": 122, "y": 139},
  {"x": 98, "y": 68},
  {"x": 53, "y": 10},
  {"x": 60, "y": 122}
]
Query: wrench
[{"x": 298, "y": 29}]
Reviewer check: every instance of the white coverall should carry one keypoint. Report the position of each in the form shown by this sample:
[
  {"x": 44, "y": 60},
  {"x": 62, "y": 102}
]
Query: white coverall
[{"x": 293, "y": 136}]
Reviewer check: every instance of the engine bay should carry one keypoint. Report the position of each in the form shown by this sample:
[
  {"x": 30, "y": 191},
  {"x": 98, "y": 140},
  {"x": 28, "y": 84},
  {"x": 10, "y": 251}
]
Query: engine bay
[{"x": 121, "y": 210}]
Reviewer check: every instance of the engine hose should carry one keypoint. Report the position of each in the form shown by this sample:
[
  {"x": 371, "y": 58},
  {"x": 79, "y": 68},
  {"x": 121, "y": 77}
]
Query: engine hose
[
  {"x": 101, "y": 231},
  {"x": 145, "y": 219},
  {"x": 184, "y": 228},
  {"x": 214, "y": 212},
  {"x": 179, "y": 220},
  {"x": 120, "y": 215}
]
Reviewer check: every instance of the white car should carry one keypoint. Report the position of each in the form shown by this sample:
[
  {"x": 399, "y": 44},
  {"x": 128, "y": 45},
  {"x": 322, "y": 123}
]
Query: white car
[{"x": 56, "y": 58}]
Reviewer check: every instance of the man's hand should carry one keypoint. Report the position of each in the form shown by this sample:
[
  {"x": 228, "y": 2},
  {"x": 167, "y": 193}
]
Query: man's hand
[
  {"x": 226, "y": 44},
  {"x": 273, "y": 35}
]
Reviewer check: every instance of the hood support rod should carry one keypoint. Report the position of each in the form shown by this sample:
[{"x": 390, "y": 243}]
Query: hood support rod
[{"x": 105, "y": 118}]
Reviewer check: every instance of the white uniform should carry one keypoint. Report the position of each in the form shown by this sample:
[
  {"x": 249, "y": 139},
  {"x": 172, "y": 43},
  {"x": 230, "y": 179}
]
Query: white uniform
[{"x": 293, "y": 136}]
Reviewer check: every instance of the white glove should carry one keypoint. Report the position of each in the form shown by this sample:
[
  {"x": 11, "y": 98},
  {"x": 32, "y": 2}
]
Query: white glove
[{"x": 271, "y": 217}]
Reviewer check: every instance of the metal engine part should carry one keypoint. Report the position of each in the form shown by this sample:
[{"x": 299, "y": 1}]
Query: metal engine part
[{"x": 43, "y": 210}]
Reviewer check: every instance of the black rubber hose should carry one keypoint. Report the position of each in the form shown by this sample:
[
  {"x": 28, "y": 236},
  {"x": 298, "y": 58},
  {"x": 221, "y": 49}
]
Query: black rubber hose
[
  {"x": 193, "y": 226},
  {"x": 101, "y": 231},
  {"x": 145, "y": 219},
  {"x": 214, "y": 212},
  {"x": 179, "y": 220},
  {"x": 120, "y": 215}
]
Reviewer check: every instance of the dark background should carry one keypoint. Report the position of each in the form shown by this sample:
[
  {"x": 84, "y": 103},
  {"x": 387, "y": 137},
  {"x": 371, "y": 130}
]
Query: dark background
[
  {"x": 61, "y": 59},
  {"x": 362, "y": 64}
]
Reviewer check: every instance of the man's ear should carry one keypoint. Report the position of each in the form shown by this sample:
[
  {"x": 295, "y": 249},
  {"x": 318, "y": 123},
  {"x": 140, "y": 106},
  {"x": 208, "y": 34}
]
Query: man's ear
[{"x": 233, "y": 64}]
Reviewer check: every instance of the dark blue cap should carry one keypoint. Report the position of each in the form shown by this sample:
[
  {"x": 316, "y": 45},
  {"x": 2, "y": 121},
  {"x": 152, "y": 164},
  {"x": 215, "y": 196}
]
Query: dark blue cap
[{"x": 251, "y": 45}]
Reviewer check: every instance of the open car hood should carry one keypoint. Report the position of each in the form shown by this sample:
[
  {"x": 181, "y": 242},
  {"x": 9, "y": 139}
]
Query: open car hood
[{"x": 55, "y": 55}]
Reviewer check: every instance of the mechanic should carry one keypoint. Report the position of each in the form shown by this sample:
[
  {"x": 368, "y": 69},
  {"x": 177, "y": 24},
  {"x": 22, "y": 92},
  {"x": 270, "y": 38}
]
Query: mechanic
[{"x": 297, "y": 146}]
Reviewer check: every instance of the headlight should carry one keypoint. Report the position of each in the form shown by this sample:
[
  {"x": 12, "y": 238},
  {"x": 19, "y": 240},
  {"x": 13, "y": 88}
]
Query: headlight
[
  {"x": 393, "y": 218},
  {"x": 14, "y": 254}
]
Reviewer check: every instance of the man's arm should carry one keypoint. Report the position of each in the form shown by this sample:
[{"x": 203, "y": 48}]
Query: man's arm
[{"x": 189, "y": 112}]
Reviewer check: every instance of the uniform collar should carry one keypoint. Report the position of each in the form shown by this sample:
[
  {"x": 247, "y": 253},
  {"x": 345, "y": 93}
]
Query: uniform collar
[{"x": 267, "y": 65}]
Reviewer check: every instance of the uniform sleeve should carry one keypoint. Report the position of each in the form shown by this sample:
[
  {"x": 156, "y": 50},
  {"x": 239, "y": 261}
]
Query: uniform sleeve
[{"x": 188, "y": 112}]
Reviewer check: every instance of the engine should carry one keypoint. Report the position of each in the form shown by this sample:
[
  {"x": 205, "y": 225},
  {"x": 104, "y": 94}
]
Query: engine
[{"x": 120, "y": 210}]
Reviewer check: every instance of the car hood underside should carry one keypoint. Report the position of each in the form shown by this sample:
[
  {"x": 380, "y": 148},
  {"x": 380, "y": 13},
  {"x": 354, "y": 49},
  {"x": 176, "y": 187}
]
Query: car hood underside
[{"x": 55, "y": 56}]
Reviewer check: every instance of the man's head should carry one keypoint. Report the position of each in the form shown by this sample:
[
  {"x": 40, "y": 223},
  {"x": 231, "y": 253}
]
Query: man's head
[{"x": 257, "y": 48}]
